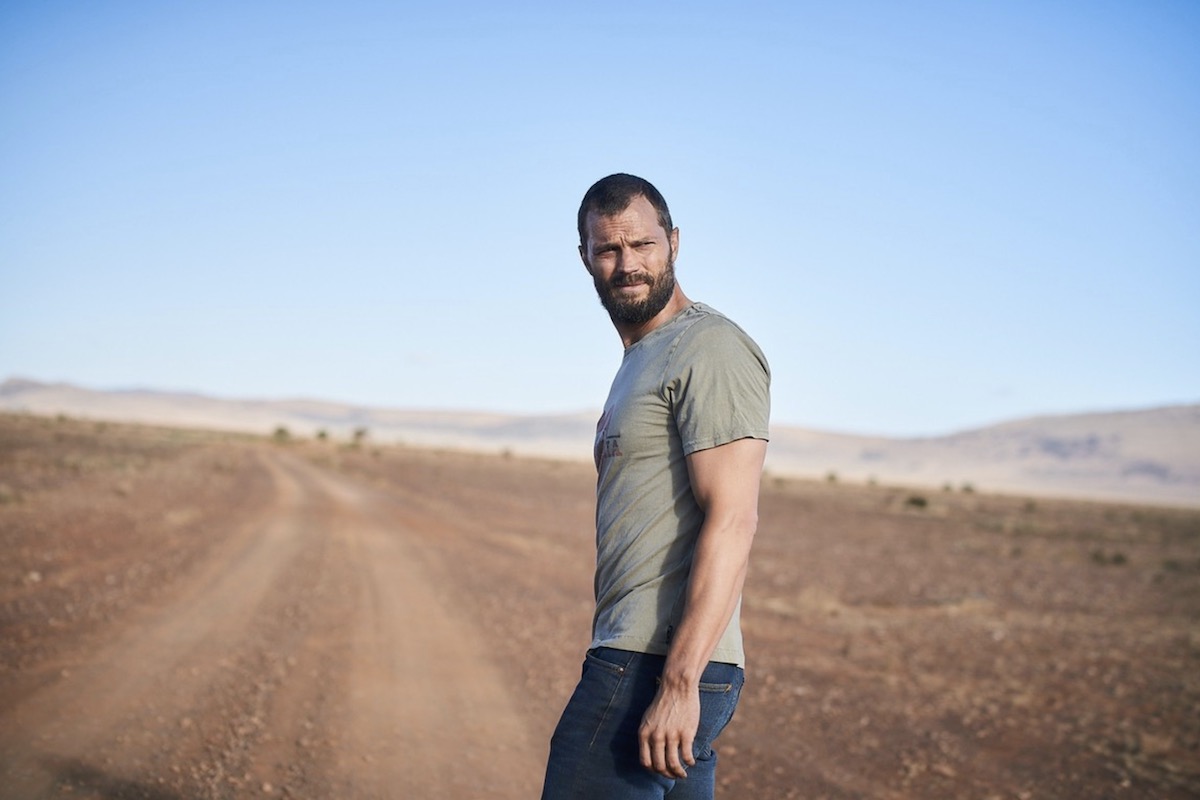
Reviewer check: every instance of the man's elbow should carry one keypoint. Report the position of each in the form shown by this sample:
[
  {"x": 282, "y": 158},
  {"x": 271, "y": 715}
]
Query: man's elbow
[{"x": 746, "y": 525}]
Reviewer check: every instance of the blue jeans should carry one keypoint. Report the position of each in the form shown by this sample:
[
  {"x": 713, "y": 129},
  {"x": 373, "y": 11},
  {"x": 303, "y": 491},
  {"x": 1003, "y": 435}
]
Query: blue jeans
[{"x": 594, "y": 752}]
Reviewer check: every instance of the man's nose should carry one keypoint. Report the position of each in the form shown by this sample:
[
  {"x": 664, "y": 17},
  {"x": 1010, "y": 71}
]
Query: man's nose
[{"x": 627, "y": 260}]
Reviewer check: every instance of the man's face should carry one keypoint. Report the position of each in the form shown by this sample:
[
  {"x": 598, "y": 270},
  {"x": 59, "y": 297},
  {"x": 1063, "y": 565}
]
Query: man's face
[{"x": 632, "y": 262}]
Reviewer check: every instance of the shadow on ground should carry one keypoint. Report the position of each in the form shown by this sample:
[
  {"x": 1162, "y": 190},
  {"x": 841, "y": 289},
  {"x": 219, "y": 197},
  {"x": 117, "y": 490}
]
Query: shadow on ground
[{"x": 80, "y": 776}]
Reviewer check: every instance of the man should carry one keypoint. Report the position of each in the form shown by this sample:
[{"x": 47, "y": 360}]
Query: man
[{"x": 679, "y": 453}]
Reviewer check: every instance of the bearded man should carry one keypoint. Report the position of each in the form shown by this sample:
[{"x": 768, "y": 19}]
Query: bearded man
[{"x": 679, "y": 453}]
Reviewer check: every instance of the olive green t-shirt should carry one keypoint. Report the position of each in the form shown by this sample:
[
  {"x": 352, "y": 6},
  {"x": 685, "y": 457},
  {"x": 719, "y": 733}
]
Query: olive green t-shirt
[{"x": 696, "y": 382}]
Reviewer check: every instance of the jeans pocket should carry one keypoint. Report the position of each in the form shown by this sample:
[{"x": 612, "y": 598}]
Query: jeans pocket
[
  {"x": 716, "y": 688},
  {"x": 602, "y": 693},
  {"x": 718, "y": 701},
  {"x": 607, "y": 659}
]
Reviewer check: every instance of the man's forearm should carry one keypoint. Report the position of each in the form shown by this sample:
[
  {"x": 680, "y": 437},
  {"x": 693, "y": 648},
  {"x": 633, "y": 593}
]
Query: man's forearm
[
  {"x": 725, "y": 484},
  {"x": 714, "y": 588}
]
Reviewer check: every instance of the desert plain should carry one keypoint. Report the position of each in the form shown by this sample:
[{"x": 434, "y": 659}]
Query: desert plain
[{"x": 189, "y": 614}]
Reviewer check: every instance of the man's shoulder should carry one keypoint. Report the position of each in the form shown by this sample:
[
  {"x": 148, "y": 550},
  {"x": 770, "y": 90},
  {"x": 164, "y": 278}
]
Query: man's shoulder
[
  {"x": 703, "y": 313},
  {"x": 705, "y": 329}
]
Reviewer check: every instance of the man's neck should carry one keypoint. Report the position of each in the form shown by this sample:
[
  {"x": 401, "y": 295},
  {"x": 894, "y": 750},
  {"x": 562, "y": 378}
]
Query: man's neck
[{"x": 632, "y": 334}]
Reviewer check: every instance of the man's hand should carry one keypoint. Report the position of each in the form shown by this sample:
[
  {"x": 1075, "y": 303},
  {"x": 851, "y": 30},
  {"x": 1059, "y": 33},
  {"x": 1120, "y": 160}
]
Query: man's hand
[{"x": 668, "y": 731}]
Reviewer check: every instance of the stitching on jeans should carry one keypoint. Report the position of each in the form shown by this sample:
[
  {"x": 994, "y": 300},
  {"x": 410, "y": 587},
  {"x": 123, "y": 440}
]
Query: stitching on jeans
[
  {"x": 719, "y": 688},
  {"x": 620, "y": 671}
]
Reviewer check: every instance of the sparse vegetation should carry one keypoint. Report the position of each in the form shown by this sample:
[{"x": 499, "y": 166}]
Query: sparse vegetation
[
  {"x": 916, "y": 501},
  {"x": 1106, "y": 559},
  {"x": 282, "y": 435}
]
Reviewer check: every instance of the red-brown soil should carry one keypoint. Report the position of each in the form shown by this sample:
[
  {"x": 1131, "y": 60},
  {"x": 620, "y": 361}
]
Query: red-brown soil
[{"x": 192, "y": 615}]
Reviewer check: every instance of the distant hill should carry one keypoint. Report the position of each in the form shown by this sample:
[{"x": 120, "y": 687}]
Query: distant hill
[
  {"x": 1145, "y": 456},
  {"x": 1149, "y": 456}
]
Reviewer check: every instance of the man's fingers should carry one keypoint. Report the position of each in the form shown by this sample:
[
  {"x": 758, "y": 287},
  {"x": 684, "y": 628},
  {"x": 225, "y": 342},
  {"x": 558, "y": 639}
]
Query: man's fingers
[
  {"x": 664, "y": 758},
  {"x": 653, "y": 747},
  {"x": 661, "y": 755},
  {"x": 658, "y": 755},
  {"x": 674, "y": 768},
  {"x": 647, "y": 759}
]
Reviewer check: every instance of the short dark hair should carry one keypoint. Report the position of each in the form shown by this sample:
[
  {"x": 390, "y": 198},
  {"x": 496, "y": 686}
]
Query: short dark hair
[{"x": 612, "y": 195}]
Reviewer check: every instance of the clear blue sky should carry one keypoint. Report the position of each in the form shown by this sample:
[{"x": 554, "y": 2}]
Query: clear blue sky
[{"x": 931, "y": 216}]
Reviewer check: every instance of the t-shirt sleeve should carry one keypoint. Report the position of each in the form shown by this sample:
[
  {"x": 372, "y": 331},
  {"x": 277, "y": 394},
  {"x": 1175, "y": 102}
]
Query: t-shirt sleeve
[{"x": 719, "y": 386}]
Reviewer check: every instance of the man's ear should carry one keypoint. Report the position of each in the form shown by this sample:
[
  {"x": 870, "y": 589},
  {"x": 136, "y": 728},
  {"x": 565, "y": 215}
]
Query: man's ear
[
  {"x": 583, "y": 258},
  {"x": 675, "y": 242}
]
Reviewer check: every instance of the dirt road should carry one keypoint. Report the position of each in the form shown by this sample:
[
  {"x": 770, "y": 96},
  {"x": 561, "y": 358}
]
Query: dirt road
[
  {"x": 308, "y": 655},
  {"x": 188, "y": 616}
]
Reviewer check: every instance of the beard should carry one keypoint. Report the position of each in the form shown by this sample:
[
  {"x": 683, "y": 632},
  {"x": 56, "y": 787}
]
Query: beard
[{"x": 637, "y": 312}]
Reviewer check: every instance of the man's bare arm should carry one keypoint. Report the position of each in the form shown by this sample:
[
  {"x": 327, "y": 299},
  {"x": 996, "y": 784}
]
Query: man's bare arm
[{"x": 725, "y": 481}]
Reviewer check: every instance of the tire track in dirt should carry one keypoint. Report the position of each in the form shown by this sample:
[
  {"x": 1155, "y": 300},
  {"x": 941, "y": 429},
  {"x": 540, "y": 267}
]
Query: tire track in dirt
[
  {"x": 420, "y": 712},
  {"x": 310, "y": 656},
  {"x": 110, "y": 702}
]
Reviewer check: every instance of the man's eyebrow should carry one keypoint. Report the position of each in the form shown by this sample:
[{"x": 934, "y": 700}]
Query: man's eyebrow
[
  {"x": 631, "y": 242},
  {"x": 616, "y": 244}
]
